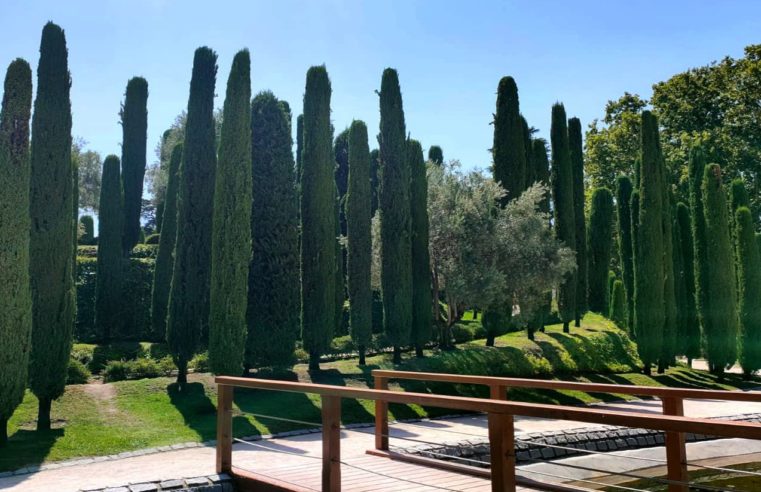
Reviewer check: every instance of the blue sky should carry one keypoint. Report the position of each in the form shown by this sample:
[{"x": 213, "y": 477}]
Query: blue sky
[{"x": 450, "y": 55}]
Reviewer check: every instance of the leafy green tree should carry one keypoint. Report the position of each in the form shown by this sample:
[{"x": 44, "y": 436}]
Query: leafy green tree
[
  {"x": 623, "y": 208},
  {"x": 318, "y": 195},
  {"x": 359, "y": 240},
  {"x": 508, "y": 151},
  {"x": 88, "y": 229},
  {"x": 721, "y": 321},
  {"x": 89, "y": 166},
  {"x": 52, "y": 246},
  {"x": 436, "y": 155},
  {"x": 583, "y": 262},
  {"x": 749, "y": 273},
  {"x": 618, "y": 303},
  {"x": 563, "y": 200},
  {"x": 231, "y": 226},
  {"x": 697, "y": 166},
  {"x": 108, "y": 292},
  {"x": 688, "y": 336},
  {"x": 134, "y": 116},
  {"x": 16, "y": 301},
  {"x": 394, "y": 202},
  {"x": 188, "y": 314},
  {"x": 421, "y": 260},
  {"x": 162, "y": 273},
  {"x": 600, "y": 242}
]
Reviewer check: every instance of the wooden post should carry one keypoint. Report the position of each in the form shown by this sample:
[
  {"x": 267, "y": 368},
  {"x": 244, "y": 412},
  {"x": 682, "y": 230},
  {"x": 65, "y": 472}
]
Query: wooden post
[
  {"x": 676, "y": 452},
  {"x": 502, "y": 450},
  {"x": 331, "y": 443},
  {"x": 224, "y": 428},
  {"x": 498, "y": 392},
  {"x": 381, "y": 416}
]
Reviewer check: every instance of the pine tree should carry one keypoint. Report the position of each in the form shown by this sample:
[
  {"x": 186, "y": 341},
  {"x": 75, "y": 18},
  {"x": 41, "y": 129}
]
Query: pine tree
[
  {"x": 618, "y": 303},
  {"x": 108, "y": 294},
  {"x": 231, "y": 226},
  {"x": 688, "y": 338},
  {"x": 318, "y": 194},
  {"x": 600, "y": 242},
  {"x": 697, "y": 165},
  {"x": 508, "y": 151},
  {"x": 749, "y": 272},
  {"x": 188, "y": 314},
  {"x": 583, "y": 262},
  {"x": 436, "y": 155},
  {"x": 88, "y": 226},
  {"x": 394, "y": 202},
  {"x": 562, "y": 197},
  {"x": 721, "y": 321},
  {"x": 51, "y": 241},
  {"x": 649, "y": 270},
  {"x": 359, "y": 244},
  {"x": 162, "y": 272},
  {"x": 623, "y": 203},
  {"x": 134, "y": 116},
  {"x": 421, "y": 261},
  {"x": 16, "y": 300}
]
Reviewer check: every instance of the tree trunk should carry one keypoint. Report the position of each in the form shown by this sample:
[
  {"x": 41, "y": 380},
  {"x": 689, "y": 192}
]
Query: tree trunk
[
  {"x": 314, "y": 361},
  {"x": 577, "y": 321},
  {"x": 3, "y": 431},
  {"x": 489, "y": 340},
  {"x": 661, "y": 367},
  {"x": 475, "y": 314},
  {"x": 419, "y": 351},
  {"x": 646, "y": 370},
  {"x": 43, "y": 414},
  {"x": 689, "y": 362},
  {"x": 566, "y": 327},
  {"x": 397, "y": 355},
  {"x": 361, "y": 355},
  {"x": 530, "y": 332}
]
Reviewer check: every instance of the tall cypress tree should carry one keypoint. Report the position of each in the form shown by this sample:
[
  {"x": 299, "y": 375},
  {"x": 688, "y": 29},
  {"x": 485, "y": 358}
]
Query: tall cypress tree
[
  {"x": 421, "y": 261},
  {"x": 623, "y": 206},
  {"x": 530, "y": 174},
  {"x": 51, "y": 241},
  {"x": 649, "y": 270},
  {"x": 508, "y": 151},
  {"x": 359, "y": 244},
  {"x": 688, "y": 337},
  {"x": 583, "y": 262},
  {"x": 749, "y": 272},
  {"x": 16, "y": 300},
  {"x": 299, "y": 145},
  {"x": 562, "y": 197},
  {"x": 542, "y": 172},
  {"x": 188, "y": 315},
  {"x": 341, "y": 151},
  {"x": 721, "y": 321},
  {"x": 375, "y": 178},
  {"x": 162, "y": 272},
  {"x": 396, "y": 252},
  {"x": 671, "y": 321},
  {"x": 618, "y": 303},
  {"x": 634, "y": 208},
  {"x": 738, "y": 194},
  {"x": 436, "y": 155},
  {"x": 108, "y": 295},
  {"x": 697, "y": 164},
  {"x": 88, "y": 225},
  {"x": 600, "y": 242},
  {"x": 273, "y": 301},
  {"x": 318, "y": 195},
  {"x": 134, "y": 116},
  {"x": 231, "y": 226}
]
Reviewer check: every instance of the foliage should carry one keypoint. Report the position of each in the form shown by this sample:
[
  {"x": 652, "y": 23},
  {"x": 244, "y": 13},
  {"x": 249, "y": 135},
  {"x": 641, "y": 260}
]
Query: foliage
[
  {"x": 618, "y": 304},
  {"x": 749, "y": 281},
  {"x": 16, "y": 299},
  {"x": 89, "y": 166},
  {"x": 395, "y": 214},
  {"x": 599, "y": 242},
  {"x": 77, "y": 373},
  {"x": 108, "y": 294},
  {"x": 318, "y": 261},
  {"x": 436, "y": 155},
  {"x": 508, "y": 150},
  {"x": 134, "y": 119},
  {"x": 51, "y": 251},
  {"x": 421, "y": 260},
  {"x": 141, "y": 368},
  {"x": 273, "y": 282},
  {"x": 697, "y": 165},
  {"x": 88, "y": 233},
  {"x": 189, "y": 296},
  {"x": 231, "y": 226},
  {"x": 583, "y": 251},
  {"x": 152, "y": 239},
  {"x": 624, "y": 222},
  {"x": 341, "y": 173},
  {"x": 688, "y": 338}
]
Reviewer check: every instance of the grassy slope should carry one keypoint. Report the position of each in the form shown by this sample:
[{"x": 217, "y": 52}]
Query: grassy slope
[{"x": 100, "y": 419}]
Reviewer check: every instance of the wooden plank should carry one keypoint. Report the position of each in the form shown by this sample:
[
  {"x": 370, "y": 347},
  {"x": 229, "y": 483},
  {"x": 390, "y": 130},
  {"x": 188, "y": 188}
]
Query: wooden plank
[
  {"x": 331, "y": 443},
  {"x": 502, "y": 444},
  {"x": 224, "y": 428},
  {"x": 676, "y": 452},
  {"x": 381, "y": 416}
]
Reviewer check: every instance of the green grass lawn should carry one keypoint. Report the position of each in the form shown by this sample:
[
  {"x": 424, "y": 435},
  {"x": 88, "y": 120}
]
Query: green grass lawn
[{"x": 99, "y": 419}]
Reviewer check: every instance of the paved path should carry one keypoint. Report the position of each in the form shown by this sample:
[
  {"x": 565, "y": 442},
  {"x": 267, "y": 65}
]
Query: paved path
[{"x": 267, "y": 455}]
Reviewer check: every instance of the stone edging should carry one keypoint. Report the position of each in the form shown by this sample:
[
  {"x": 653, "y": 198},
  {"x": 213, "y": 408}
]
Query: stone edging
[{"x": 211, "y": 483}]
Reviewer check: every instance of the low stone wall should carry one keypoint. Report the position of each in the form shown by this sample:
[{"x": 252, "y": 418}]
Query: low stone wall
[
  {"x": 545, "y": 446},
  {"x": 212, "y": 483}
]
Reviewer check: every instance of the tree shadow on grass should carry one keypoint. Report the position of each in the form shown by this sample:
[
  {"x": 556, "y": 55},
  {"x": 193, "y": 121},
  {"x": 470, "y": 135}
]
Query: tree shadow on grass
[{"x": 27, "y": 447}]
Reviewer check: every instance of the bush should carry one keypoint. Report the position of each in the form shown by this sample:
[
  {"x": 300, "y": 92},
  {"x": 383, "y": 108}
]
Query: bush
[
  {"x": 82, "y": 353},
  {"x": 200, "y": 362},
  {"x": 119, "y": 370},
  {"x": 153, "y": 239},
  {"x": 461, "y": 333},
  {"x": 77, "y": 373},
  {"x": 120, "y": 351},
  {"x": 116, "y": 370}
]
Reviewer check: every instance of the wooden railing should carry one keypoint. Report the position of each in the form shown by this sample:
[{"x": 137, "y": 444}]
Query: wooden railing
[{"x": 672, "y": 406}]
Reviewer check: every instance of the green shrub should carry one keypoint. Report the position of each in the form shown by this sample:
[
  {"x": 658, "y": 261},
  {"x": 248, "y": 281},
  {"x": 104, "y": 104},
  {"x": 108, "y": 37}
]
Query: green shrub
[
  {"x": 116, "y": 370},
  {"x": 119, "y": 370},
  {"x": 143, "y": 368},
  {"x": 152, "y": 239},
  {"x": 461, "y": 334},
  {"x": 342, "y": 345},
  {"x": 120, "y": 351},
  {"x": 300, "y": 355},
  {"x": 200, "y": 362},
  {"x": 77, "y": 373},
  {"x": 145, "y": 251},
  {"x": 82, "y": 353}
]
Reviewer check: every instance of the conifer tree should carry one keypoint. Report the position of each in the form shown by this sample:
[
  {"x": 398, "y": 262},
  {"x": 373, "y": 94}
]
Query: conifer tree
[
  {"x": 600, "y": 242},
  {"x": 634, "y": 209},
  {"x": 341, "y": 152},
  {"x": 530, "y": 174},
  {"x": 508, "y": 151},
  {"x": 623, "y": 206},
  {"x": 562, "y": 196},
  {"x": 375, "y": 178},
  {"x": 359, "y": 243},
  {"x": 108, "y": 294},
  {"x": 721, "y": 321},
  {"x": 697, "y": 164},
  {"x": 299, "y": 145},
  {"x": 583, "y": 260},
  {"x": 671, "y": 321},
  {"x": 394, "y": 202},
  {"x": 421, "y": 261},
  {"x": 88, "y": 226},
  {"x": 51, "y": 242},
  {"x": 273, "y": 282},
  {"x": 231, "y": 226},
  {"x": 738, "y": 194},
  {"x": 542, "y": 173},
  {"x": 318, "y": 195},
  {"x": 162, "y": 272},
  {"x": 134, "y": 116},
  {"x": 749, "y": 271},
  {"x": 339, "y": 271},
  {"x": 688, "y": 338},
  {"x": 16, "y": 300},
  {"x": 618, "y": 303},
  {"x": 188, "y": 315},
  {"x": 436, "y": 155}
]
